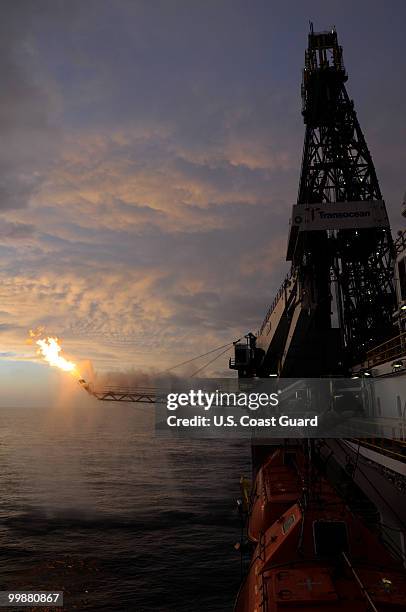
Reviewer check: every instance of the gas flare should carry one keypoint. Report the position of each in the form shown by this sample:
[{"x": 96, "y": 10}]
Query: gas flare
[{"x": 50, "y": 349}]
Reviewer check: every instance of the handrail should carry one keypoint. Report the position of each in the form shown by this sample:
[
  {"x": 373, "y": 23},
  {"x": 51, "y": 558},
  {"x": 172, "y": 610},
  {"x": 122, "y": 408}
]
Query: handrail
[
  {"x": 276, "y": 299},
  {"x": 360, "y": 583},
  {"x": 390, "y": 349},
  {"x": 127, "y": 389}
]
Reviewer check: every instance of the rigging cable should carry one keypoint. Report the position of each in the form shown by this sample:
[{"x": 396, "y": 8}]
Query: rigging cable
[
  {"x": 198, "y": 357},
  {"x": 203, "y": 367}
]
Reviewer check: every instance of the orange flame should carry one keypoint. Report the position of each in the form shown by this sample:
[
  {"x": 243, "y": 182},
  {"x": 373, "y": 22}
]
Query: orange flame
[{"x": 50, "y": 349}]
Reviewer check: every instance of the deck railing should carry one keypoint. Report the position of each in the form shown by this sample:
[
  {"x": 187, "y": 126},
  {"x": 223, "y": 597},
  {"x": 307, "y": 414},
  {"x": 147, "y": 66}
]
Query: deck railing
[
  {"x": 387, "y": 351},
  {"x": 276, "y": 299}
]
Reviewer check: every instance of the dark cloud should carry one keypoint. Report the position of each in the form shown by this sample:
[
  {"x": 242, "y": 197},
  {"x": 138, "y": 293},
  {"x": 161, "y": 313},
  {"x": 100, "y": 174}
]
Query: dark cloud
[
  {"x": 15, "y": 231},
  {"x": 28, "y": 133}
]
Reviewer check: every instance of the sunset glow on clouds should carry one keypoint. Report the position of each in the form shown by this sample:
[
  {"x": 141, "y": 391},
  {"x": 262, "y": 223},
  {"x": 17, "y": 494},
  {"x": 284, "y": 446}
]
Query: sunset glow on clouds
[{"x": 150, "y": 155}]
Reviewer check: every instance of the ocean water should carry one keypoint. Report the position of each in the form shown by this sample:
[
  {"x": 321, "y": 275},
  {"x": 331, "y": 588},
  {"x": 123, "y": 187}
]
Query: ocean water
[{"x": 93, "y": 504}]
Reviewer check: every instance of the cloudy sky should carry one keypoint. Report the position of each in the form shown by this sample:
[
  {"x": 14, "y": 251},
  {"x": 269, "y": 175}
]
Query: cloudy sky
[{"x": 150, "y": 153}]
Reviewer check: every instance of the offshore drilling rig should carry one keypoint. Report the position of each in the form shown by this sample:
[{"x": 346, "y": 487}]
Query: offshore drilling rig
[
  {"x": 339, "y": 298},
  {"x": 338, "y": 314}
]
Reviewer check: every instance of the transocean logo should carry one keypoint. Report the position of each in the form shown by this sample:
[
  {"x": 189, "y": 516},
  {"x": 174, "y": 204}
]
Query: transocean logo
[
  {"x": 317, "y": 213},
  {"x": 313, "y": 212},
  {"x": 299, "y": 218},
  {"x": 344, "y": 215}
]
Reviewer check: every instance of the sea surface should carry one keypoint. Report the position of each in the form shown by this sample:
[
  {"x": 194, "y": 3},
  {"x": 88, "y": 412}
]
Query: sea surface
[{"x": 94, "y": 504}]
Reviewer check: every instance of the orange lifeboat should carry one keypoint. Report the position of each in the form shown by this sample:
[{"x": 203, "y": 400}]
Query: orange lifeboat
[
  {"x": 317, "y": 555},
  {"x": 277, "y": 486}
]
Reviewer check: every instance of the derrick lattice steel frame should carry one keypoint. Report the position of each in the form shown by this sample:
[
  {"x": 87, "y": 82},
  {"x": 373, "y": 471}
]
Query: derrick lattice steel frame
[{"x": 337, "y": 167}]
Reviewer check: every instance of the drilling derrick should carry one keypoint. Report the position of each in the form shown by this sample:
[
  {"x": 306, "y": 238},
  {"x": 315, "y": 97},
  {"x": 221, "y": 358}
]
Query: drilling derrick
[
  {"x": 337, "y": 167},
  {"x": 339, "y": 298}
]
